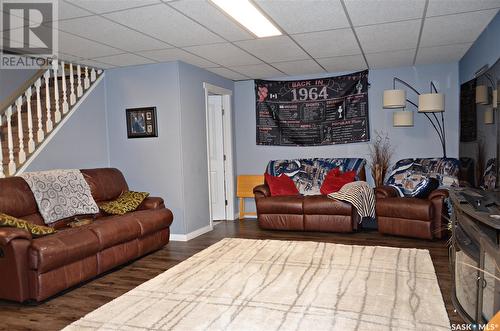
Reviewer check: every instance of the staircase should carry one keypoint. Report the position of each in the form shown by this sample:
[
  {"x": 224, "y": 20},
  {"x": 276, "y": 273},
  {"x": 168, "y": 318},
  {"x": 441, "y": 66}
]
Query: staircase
[{"x": 29, "y": 120}]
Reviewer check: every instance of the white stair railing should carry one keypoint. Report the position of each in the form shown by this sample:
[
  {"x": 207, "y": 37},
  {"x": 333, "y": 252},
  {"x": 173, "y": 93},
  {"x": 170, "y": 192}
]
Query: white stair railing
[{"x": 50, "y": 111}]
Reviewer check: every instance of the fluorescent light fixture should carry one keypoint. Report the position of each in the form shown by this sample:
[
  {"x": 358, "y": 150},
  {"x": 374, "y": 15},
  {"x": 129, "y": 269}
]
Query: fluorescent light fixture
[{"x": 245, "y": 13}]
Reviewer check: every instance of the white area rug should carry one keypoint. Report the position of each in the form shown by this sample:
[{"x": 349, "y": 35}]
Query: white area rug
[{"x": 241, "y": 284}]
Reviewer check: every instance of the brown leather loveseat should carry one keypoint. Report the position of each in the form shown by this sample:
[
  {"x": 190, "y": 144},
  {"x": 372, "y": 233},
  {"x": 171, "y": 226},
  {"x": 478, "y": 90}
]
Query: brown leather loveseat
[
  {"x": 37, "y": 268},
  {"x": 307, "y": 212}
]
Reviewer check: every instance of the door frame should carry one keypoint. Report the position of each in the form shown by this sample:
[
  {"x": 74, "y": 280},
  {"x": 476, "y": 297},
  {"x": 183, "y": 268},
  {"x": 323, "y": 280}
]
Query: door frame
[{"x": 228, "y": 147}]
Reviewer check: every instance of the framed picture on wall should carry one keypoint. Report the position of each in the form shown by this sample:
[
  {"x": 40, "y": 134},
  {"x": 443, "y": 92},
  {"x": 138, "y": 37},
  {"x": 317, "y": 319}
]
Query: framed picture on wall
[{"x": 141, "y": 122}]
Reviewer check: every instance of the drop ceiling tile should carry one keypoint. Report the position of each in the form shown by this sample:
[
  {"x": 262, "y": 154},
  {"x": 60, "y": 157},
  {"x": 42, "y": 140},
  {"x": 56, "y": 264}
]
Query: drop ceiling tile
[
  {"x": 224, "y": 72},
  {"x": 305, "y": 16},
  {"x": 303, "y": 67},
  {"x": 175, "y": 54},
  {"x": 401, "y": 58},
  {"x": 166, "y": 24},
  {"x": 441, "y": 54},
  {"x": 110, "y": 33},
  {"x": 211, "y": 17},
  {"x": 343, "y": 63},
  {"x": 69, "y": 57},
  {"x": 274, "y": 49},
  {"x": 455, "y": 29},
  {"x": 447, "y": 7},
  {"x": 329, "y": 43},
  {"x": 67, "y": 11},
  {"x": 71, "y": 44},
  {"x": 257, "y": 71},
  {"x": 389, "y": 36},
  {"x": 122, "y": 60},
  {"x": 105, "y": 6},
  {"x": 224, "y": 54},
  {"x": 383, "y": 11},
  {"x": 95, "y": 64}
]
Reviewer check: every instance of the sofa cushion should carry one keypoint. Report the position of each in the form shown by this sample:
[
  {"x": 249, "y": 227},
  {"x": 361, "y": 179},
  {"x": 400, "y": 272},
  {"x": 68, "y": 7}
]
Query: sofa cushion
[
  {"x": 105, "y": 183},
  {"x": 335, "y": 180},
  {"x": 128, "y": 201},
  {"x": 151, "y": 221},
  {"x": 323, "y": 205},
  {"x": 114, "y": 230},
  {"x": 405, "y": 208},
  {"x": 61, "y": 248},
  {"x": 34, "y": 229},
  {"x": 16, "y": 198},
  {"x": 281, "y": 185},
  {"x": 280, "y": 205}
]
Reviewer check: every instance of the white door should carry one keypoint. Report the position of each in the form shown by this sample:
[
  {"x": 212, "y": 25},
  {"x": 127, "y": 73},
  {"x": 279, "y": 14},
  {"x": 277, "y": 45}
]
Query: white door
[{"x": 216, "y": 151}]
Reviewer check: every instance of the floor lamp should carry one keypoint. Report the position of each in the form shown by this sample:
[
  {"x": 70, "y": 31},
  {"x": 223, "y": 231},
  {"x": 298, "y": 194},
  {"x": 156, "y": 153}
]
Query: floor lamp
[{"x": 428, "y": 103}]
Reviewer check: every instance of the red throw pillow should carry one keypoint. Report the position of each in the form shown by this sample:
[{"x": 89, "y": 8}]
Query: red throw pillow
[
  {"x": 335, "y": 179},
  {"x": 282, "y": 185}
]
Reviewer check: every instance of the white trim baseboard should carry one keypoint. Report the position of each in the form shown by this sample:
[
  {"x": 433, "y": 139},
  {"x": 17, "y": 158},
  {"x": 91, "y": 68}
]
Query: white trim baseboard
[{"x": 190, "y": 235}]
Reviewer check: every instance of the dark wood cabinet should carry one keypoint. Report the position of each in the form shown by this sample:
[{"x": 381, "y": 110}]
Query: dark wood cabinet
[{"x": 474, "y": 257}]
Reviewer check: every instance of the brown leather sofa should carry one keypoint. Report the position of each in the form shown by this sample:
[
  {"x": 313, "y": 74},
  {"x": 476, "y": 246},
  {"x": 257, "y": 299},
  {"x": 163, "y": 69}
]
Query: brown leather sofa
[
  {"x": 37, "y": 268},
  {"x": 304, "y": 213},
  {"x": 411, "y": 217}
]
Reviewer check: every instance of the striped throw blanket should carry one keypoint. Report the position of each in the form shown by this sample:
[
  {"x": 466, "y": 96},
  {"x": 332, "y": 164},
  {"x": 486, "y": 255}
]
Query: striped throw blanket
[{"x": 360, "y": 195}]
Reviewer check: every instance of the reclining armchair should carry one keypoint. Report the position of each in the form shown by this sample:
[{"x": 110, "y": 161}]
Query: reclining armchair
[{"x": 418, "y": 217}]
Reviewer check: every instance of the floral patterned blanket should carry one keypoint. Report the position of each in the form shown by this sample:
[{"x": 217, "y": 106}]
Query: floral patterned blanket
[{"x": 308, "y": 174}]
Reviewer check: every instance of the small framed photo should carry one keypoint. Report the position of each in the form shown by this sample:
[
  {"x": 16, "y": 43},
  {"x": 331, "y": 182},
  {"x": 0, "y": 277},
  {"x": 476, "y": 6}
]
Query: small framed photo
[{"x": 141, "y": 122}]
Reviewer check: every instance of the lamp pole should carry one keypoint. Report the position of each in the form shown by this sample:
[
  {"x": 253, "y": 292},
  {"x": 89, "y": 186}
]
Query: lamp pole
[{"x": 436, "y": 124}]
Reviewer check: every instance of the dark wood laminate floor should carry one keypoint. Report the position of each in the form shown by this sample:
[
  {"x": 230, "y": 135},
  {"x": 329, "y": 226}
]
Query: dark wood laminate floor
[{"x": 60, "y": 311}]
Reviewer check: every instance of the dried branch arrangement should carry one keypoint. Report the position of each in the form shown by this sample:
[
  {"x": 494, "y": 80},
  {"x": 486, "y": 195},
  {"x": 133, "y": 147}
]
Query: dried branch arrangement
[{"x": 381, "y": 153}]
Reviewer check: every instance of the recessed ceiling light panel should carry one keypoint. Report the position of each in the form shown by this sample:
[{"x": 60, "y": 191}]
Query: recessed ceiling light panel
[{"x": 245, "y": 13}]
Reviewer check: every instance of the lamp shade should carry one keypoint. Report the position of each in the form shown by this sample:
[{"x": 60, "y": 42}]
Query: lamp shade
[
  {"x": 402, "y": 118},
  {"x": 489, "y": 116},
  {"x": 431, "y": 103},
  {"x": 494, "y": 103},
  {"x": 482, "y": 94},
  {"x": 394, "y": 99}
]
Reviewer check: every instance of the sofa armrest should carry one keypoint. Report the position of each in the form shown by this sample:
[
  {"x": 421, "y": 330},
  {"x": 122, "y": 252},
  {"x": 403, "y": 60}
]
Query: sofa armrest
[
  {"x": 151, "y": 203},
  {"x": 261, "y": 191},
  {"x": 14, "y": 246},
  {"x": 437, "y": 198},
  {"x": 8, "y": 234},
  {"x": 438, "y": 194},
  {"x": 386, "y": 192}
]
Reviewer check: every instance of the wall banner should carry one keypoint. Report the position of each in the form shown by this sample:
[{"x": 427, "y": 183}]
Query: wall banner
[{"x": 323, "y": 111}]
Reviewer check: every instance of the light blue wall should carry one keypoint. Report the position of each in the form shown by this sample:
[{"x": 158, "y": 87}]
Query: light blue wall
[
  {"x": 194, "y": 142},
  {"x": 82, "y": 142},
  {"x": 12, "y": 79},
  {"x": 485, "y": 50},
  {"x": 418, "y": 141},
  {"x": 149, "y": 164}
]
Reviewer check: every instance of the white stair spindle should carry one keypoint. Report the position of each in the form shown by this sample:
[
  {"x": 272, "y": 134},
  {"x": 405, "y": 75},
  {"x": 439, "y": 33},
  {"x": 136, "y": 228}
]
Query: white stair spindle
[
  {"x": 21, "y": 155},
  {"x": 72, "y": 96},
  {"x": 40, "y": 136},
  {"x": 65, "y": 106},
  {"x": 99, "y": 71},
  {"x": 86, "y": 81},
  {"x": 57, "y": 113},
  {"x": 10, "y": 142},
  {"x": 31, "y": 141},
  {"x": 48, "y": 122},
  {"x": 79, "y": 88},
  {"x": 2, "y": 174},
  {"x": 92, "y": 75}
]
